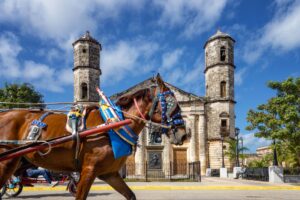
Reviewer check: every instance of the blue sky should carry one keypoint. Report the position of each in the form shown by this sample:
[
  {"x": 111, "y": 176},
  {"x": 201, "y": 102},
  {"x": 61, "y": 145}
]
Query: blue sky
[{"x": 140, "y": 37}]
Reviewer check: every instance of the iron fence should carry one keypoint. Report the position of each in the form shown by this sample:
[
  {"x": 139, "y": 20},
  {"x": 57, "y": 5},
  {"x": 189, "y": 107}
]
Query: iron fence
[
  {"x": 291, "y": 175},
  {"x": 167, "y": 172},
  {"x": 261, "y": 174},
  {"x": 215, "y": 172}
]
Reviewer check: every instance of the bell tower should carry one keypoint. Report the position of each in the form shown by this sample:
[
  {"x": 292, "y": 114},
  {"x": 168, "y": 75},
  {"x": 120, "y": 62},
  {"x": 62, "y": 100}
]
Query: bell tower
[
  {"x": 86, "y": 68},
  {"x": 219, "y": 80}
]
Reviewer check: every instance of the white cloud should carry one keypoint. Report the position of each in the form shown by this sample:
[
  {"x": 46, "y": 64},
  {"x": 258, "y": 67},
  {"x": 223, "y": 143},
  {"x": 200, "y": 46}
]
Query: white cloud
[
  {"x": 280, "y": 34},
  {"x": 252, "y": 142},
  {"x": 60, "y": 20},
  {"x": 171, "y": 58},
  {"x": 34, "y": 70},
  {"x": 40, "y": 75},
  {"x": 284, "y": 30},
  {"x": 175, "y": 70},
  {"x": 124, "y": 57},
  {"x": 197, "y": 16},
  {"x": 9, "y": 50},
  {"x": 239, "y": 76}
]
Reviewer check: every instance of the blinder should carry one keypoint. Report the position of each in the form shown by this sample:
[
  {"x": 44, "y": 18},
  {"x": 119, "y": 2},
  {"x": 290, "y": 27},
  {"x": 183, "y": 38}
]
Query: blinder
[{"x": 169, "y": 105}]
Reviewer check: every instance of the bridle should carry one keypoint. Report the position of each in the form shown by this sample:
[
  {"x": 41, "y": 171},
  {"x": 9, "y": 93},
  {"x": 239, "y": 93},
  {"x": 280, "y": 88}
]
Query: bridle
[{"x": 168, "y": 103}]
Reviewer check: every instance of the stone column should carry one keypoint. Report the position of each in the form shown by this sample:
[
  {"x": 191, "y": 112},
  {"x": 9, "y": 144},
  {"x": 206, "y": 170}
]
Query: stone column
[
  {"x": 192, "y": 145},
  {"x": 139, "y": 154},
  {"x": 202, "y": 144},
  {"x": 167, "y": 156}
]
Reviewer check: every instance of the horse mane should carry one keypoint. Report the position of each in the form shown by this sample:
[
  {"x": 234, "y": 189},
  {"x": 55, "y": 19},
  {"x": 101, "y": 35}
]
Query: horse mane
[{"x": 126, "y": 101}]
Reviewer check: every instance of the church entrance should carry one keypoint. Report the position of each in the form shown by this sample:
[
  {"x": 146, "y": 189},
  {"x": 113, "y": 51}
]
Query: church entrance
[{"x": 180, "y": 161}]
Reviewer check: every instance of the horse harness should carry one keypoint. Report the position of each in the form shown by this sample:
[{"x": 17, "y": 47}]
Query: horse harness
[
  {"x": 76, "y": 121},
  {"x": 168, "y": 103},
  {"x": 170, "y": 119},
  {"x": 37, "y": 126}
]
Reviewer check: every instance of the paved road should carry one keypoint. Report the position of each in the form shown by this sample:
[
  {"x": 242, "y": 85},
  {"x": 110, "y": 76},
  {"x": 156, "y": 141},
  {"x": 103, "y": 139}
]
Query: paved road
[{"x": 208, "y": 189}]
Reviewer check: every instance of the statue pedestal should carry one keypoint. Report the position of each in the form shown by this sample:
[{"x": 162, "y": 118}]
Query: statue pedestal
[
  {"x": 223, "y": 173},
  {"x": 275, "y": 174}
]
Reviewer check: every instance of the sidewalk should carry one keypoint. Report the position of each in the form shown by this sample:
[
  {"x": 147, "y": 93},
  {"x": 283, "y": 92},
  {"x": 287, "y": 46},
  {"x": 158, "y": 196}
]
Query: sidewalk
[
  {"x": 208, "y": 183},
  {"x": 210, "y": 188}
]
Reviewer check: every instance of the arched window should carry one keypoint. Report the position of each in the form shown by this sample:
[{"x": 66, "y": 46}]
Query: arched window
[
  {"x": 223, "y": 123},
  {"x": 223, "y": 89},
  {"x": 222, "y": 53},
  {"x": 224, "y": 126},
  {"x": 84, "y": 90}
]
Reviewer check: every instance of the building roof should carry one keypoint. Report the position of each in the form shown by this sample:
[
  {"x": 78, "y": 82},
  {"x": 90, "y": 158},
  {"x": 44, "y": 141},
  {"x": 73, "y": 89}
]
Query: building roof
[
  {"x": 217, "y": 35},
  {"x": 146, "y": 83},
  {"x": 87, "y": 37}
]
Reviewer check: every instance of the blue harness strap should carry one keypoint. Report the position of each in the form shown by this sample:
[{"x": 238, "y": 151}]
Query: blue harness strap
[
  {"x": 122, "y": 139},
  {"x": 40, "y": 122},
  {"x": 176, "y": 119}
]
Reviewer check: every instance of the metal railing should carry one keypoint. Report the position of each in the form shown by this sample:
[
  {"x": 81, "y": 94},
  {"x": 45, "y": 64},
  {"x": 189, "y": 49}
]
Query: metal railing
[
  {"x": 167, "y": 172},
  {"x": 261, "y": 174},
  {"x": 291, "y": 175}
]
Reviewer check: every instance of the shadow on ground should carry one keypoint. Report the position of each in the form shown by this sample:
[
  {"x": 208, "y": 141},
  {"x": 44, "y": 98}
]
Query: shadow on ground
[{"x": 59, "y": 195}]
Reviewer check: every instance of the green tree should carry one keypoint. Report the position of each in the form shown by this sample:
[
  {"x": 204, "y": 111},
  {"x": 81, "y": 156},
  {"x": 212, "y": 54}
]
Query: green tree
[
  {"x": 279, "y": 118},
  {"x": 264, "y": 161},
  {"x": 231, "y": 151},
  {"x": 19, "y": 93}
]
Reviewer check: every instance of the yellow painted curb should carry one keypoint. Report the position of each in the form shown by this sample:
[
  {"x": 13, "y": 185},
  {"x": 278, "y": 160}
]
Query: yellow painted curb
[{"x": 164, "y": 187}]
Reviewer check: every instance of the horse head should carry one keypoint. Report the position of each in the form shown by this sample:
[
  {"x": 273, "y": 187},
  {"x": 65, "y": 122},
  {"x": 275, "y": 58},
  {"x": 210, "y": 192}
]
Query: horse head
[
  {"x": 159, "y": 105},
  {"x": 167, "y": 110}
]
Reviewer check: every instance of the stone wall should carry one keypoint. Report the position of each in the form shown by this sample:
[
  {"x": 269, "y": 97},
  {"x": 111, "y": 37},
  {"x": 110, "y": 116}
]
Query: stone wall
[
  {"x": 86, "y": 70},
  {"x": 87, "y": 54},
  {"x": 212, "y": 51},
  {"x": 215, "y": 154},
  {"x": 214, "y": 76},
  {"x": 89, "y": 76},
  {"x": 213, "y": 111}
]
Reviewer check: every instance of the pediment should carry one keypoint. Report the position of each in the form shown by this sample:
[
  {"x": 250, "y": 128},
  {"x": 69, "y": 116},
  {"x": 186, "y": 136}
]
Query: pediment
[{"x": 181, "y": 95}]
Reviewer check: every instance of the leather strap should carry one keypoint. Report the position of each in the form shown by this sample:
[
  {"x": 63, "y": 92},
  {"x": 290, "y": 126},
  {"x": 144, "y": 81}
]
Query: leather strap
[{"x": 138, "y": 109}]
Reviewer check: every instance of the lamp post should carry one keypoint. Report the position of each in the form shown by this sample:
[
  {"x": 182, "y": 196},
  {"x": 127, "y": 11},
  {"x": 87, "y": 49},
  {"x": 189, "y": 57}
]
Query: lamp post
[
  {"x": 237, "y": 132},
  {"x": 242, "y": 140},
  {"x": 275, "y": 161},
  {"x": 222, "y": 139}
]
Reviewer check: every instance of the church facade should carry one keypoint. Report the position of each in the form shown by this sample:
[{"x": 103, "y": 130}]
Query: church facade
[{"x": 210, "y": 119}]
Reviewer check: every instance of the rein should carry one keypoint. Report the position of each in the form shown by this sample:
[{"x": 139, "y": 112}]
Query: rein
[
  {"x": 138, "y": 109},
  {"x": 168, "y": 106}
]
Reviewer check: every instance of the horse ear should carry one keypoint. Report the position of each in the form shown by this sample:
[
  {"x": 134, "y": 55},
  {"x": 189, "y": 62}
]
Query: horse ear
[
  {"x": 160, "y": 82},
  {"x": 159, "y": 79},
  {"x": 123, "y": 101}
]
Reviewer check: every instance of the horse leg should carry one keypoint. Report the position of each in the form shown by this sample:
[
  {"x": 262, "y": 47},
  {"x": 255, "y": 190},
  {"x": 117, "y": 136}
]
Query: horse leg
[
  {"x": 87, "y": 177},
  {"x": 7, "y": 168},
  {"x": 115, "y": 181}
]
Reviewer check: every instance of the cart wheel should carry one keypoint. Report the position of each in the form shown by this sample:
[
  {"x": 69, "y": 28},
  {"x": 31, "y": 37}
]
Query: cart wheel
[
  {"x": 3, "y": 190},
  {"x": 13, "y": 191},
  {"x": 72, "y": 187}
]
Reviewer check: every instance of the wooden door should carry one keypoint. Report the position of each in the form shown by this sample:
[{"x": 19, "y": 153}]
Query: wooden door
[
  {"x": 130, "y": 165},
  {"x": 180, "y": 161}
]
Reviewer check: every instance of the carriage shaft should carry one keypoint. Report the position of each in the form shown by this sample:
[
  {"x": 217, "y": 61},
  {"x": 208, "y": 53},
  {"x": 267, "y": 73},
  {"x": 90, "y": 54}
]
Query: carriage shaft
[{"x": 55, "y": 142}]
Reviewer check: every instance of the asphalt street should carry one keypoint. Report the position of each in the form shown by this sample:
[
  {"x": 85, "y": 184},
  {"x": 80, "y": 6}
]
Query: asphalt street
[{"x": 208, "y": 189}]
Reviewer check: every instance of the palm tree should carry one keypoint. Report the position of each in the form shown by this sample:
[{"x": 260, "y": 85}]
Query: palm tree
[{"x": 231, "y": 151}]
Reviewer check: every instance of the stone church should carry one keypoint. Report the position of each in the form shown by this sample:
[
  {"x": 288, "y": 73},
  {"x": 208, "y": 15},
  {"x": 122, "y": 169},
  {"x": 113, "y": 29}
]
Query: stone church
[{"x": 209, "y": 119}]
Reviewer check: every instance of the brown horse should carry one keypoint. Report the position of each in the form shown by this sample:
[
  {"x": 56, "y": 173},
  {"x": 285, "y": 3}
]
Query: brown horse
[{"x": 96, "y": 156}]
